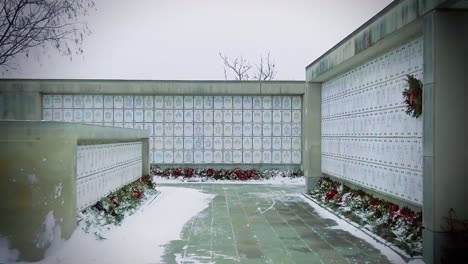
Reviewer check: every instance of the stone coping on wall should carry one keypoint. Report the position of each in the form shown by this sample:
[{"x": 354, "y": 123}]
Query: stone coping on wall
[
  {"x": 160, "y": 87},
  {"x": 397, "y": 23},
  {"x": 84, "y": 134}
]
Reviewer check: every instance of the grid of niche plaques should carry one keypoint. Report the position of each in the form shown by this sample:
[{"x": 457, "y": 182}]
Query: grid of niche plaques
[
  {"x": 196, "y": 129},
  {"x": 103, "y": 168},
  {"x": 367, "y": 137}
]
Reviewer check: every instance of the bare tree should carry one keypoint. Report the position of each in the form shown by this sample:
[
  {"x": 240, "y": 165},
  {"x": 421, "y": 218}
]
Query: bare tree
[
  {"x": 265, "y": 69},
  {"x": 25, "y": 24},
  {"x": 241, "y": 68}
]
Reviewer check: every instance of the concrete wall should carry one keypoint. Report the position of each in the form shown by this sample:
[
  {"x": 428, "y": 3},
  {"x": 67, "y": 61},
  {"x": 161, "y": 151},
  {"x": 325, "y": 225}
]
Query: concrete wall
[
  {"x": 312, "y": 134},
  {"x": 153, "y": 87},
  {"x": 104, "y": 168},
  {"x": 445, "y": 135},
  {"x": 20, "y": 105},
  {"x": 443, "y": 26},
  {"x": 38, "y": 193},
  {"x": 367, "y": 138},
  {"x": 195, "y": 130},
  {"x": 11, "y": 108}
]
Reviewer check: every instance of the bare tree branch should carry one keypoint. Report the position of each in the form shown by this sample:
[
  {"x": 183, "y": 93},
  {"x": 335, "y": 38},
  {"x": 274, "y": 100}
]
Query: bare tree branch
[
  {"x": 25, "y": 24},
  {"x": 265, "y": 69},
  {"x": 241, "y": 68}
]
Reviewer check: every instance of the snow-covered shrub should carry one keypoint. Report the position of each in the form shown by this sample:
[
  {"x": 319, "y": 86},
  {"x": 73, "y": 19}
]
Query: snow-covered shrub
[
  {"x": 118, "y": 204},
  {"x": 225, "y": 174},
  {"x": 400, "y": 226}
]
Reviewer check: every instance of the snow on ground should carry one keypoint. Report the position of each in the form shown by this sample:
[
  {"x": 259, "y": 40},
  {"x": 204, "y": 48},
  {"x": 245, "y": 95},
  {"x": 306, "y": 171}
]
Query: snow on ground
[
  {"x": 391, "y": 255},
  {"x": 274, "y": 180},
  {"x": 6, "y": 253},
  {"x": 141, "y": 237}
]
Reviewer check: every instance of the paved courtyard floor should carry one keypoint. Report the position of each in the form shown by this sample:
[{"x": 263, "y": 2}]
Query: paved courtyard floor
[{"x": 264, "y": 224}]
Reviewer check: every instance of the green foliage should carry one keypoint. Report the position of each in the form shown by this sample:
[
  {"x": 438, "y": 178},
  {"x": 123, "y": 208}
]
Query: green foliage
[{"x": 413, "y": 96}]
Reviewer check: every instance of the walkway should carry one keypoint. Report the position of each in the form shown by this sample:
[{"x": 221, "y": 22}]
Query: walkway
[{"x": 264, "y": 224}]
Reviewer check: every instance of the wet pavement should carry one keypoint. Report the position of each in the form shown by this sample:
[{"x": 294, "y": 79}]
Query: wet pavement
[{"x": 264, "y": 224}]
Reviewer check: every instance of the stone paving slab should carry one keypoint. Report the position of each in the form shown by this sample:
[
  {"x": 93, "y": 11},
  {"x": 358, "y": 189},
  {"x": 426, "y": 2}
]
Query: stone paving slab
[{"x": 248, "y": 223}]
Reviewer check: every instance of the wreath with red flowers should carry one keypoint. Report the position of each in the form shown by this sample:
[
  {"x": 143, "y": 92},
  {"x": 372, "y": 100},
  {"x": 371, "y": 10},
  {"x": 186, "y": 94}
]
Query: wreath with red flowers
[{"x": 413, "y": 96}]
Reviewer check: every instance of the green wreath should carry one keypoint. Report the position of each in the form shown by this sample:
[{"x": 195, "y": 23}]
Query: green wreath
[{"x": 413, "y": 96}]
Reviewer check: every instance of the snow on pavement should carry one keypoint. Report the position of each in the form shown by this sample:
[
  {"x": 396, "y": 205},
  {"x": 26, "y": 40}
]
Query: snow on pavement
[
  {"x": 273, "y": 180},
  {"x": 141, "y": 237},
  {"x": 391, "y": 255}
]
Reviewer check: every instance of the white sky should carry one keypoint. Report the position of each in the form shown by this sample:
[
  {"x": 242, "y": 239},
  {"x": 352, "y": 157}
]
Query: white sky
[{"x": 181, "y": 39}]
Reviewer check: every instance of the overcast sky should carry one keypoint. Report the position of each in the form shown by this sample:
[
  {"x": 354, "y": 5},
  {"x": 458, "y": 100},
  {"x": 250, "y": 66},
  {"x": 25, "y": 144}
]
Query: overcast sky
[{"x": 181, "y": 39}]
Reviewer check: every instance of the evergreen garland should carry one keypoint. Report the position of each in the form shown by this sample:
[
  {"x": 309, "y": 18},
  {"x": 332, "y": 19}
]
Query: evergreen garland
[{"x": 413, "y": 96}]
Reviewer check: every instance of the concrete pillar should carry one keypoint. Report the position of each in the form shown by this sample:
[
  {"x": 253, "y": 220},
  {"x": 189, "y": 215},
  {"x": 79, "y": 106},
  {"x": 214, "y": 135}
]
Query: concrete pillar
[
  {"x": 37, "y": 190},
  {"x": 311, "y": 150},
  {"x": 445, "y": 141},
  {"x": 20, "y": 105},
  {"x": 145, "y": 148}
]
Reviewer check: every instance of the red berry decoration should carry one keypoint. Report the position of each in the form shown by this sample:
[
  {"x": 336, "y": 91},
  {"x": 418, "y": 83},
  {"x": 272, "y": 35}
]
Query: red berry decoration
[
  {"x": 115, "y": 201},
  {"x": 137, "y": 193},
  {"x": 209, "y": 172},
  {"x": 393, "y": 208},
  {"x": 331, "y": 194},
  {"x": 189, "y": 172}
]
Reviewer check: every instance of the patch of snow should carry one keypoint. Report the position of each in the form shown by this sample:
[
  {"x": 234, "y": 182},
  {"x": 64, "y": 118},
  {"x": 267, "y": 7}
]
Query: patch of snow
[
  {"x": 225, "y": 257},
  {"x": 264, "y": 211},
  {"x": 181, "y": 259},
  {"x": 32, "y": 178},
  {"x": 7, "y": 254},
  {"x": 140, "y": 237},
  {"x": 58, "y": 190},
  {"x": 273, "y": 180},
  {"x": 416, "y": 261},
  {"x": 390, "y": 254},
  {"x": 50, "y": 231}
]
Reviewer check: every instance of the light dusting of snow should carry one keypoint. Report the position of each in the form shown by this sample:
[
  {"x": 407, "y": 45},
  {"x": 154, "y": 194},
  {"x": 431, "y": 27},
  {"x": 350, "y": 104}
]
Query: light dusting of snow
[
  {"x": 58, "y": 190},
  {"x": 391, "y": 255},
  {"x": 7, "y": 254},
  {"x": 140, "y": 238},
  {"x": 32, "y": 178},
  {"x": 272, "y": 180},
  {"x": 179, "y": 258}
]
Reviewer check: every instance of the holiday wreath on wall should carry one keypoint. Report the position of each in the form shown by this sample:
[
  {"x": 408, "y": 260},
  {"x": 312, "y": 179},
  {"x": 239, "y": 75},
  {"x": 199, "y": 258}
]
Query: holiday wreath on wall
[{"x": 413, "y": 96}]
